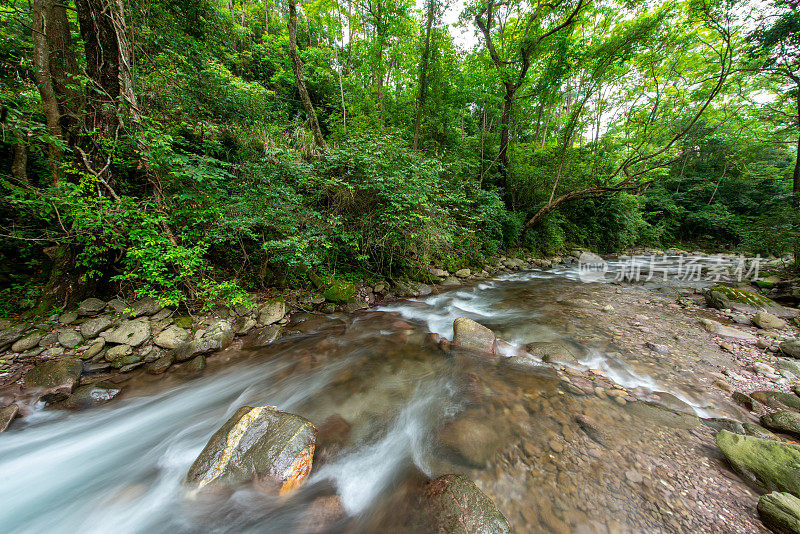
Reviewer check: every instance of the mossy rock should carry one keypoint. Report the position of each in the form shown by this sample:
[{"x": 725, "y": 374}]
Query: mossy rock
[
  {"x": 780, "y": 512},
  {"x": 774, "y": 465},
  {"x": 340, "y": 292},
  {"x": 454, "y": 504},
  {"x": 786, "y": 422},
  {"x": 741, "y": 300}
]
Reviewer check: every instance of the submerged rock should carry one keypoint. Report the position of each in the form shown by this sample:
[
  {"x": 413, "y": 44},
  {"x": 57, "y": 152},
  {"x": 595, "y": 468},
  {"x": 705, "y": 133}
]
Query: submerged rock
[
  {"x": 453, "y": 504},
  {"x": 473, "y": 441},
  {"x": 7, "y": 414},
  {"x": 780, "y": 512},
  {"x": 58, "y": 378},
  {"x": 726, "y": 331},
  {"x": 469, "y": 335},
  {"x": 91, "y": 395},
  {"x": 771, "y": 464},
  {"x": 273, "y": 448}
]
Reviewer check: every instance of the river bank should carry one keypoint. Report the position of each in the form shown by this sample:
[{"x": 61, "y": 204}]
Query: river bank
[{"x": 596, "y": 414}]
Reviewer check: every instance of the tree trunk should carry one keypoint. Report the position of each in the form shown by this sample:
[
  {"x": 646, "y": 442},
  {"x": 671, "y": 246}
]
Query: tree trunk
[
  {"x": 19, "y": 162},
  {"x": 103, "y": 29},
  {"x": 44, "y": 82},
  {"x": 423, "y": 74},
  {"x": 505, "y": 124},
  {"x": 297, "y": 68},
  {"x": 64, "y": 70},
  {"x": 796, "y": 175}
]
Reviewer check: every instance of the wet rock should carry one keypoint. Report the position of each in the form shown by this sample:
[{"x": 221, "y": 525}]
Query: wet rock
[
  {"x": 70, "y": 338},
  {"x": 593, "y": 430},
  {"x": 786, "y": 422},
  {"x": 469, "y": 335},
  {"x": 195, "y": 365},
  {"x": 439, "y": 273},
  {"x": 780, "y": 511},
  {"x": 462, "y": 273},
  {"x": 132, "y": 333},
  {"x": 27, "y": 343},
  {"x": 758, "y": 431},
  {"x": 145, "y": 307},
  {"x": 273, "y": 448},
  {"x": 57, "y": 378},
  {"x": 262, "y": 337},
  {"x": 791, "y": 348},
  {"x": 763, "y": 369},
  {"x": 7, "y": 414},
  {"x": 404, "y": 288},
  {"x": 272, "y": 311},
  {"x": 451, "y": 281},
  {"x": 661, "y": 349},
  {"x": 470, "y": 439},
  {"x": 771, "y": 464},
  {"x": 124, "y": 364},
  {"x": 660, "y": 415},
  {"x": 333, "y": 434},
  {"x": 160, "y": 365},
  {"x": 745, "y": 400},
  {"x": 171, "y": 337},
  {"x": 791, "y": 366},
  {"x": 556, "y": 352},
  {"x": 321, "y": 514},
  {"x": 243, "y": 325},
  {"x": 726, "y": 331},
  {"x": 117, "y": 352},
  {"x": 340, "y": 292},
  {"x": 424, "y": 290},
  {"x": 91, "y": 306},
  {"x": 453, "y": 504},
  {"x": 91, "y": 395},
  {"x": 786, "y": 400},
  {"x": 767, "y": 321}
]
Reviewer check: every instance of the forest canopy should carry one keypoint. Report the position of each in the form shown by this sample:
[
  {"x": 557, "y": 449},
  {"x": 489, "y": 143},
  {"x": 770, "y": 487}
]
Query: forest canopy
[{"x": 196, "y": 150}]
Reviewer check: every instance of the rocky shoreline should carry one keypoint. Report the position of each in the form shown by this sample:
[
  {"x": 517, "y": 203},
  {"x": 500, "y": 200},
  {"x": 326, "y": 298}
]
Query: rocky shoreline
[{"x": 83, "y": 358}]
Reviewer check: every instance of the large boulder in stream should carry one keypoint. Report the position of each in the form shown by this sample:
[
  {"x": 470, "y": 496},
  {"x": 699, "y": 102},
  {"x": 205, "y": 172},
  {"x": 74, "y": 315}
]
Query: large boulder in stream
[
  {"x": 744, "y": 301},
  {"x": 469, "y": 335},
  {"x": 56, "y": 377},
  {"x": 274, "y": 449},
  {"x": 771, "y": 464},
  {"x": 453, "y": 504},
  {"x": 780, "y": 512}
]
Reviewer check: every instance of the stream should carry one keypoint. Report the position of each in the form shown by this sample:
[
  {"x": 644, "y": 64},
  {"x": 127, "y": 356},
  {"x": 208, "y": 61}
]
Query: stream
[{"x": 554, "y": 455}]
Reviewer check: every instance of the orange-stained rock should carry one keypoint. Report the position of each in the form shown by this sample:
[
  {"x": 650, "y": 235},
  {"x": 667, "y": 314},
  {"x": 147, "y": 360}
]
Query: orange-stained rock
[{"x": 274, "y": 449}]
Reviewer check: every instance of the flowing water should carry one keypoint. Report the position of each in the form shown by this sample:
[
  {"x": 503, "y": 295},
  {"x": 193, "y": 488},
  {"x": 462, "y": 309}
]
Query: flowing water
[{"x": 554, "y": 458}]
